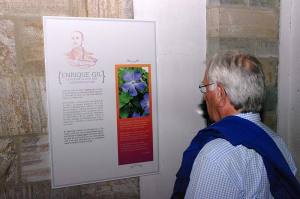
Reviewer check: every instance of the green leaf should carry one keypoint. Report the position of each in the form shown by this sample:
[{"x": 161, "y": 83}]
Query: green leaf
[
  {"x": 124, "y": 99},
  {"x": 124, "y": 112},
  {"x": 120, "y": 76},
  {"x": 135, "y": 102},
  {"x": 124, "y": 115}
]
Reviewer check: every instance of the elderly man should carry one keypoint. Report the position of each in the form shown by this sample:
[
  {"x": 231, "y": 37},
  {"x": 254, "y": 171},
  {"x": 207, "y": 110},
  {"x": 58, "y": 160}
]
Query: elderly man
[{"x": 237, "y": 156}]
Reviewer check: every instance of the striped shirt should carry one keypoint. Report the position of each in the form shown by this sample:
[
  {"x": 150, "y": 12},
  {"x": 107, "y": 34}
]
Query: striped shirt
[{"x": 222, "y": 171}]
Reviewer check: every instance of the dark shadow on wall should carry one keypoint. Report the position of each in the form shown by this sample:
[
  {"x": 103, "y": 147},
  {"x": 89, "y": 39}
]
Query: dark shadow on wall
[{"x": 202, "y": 106}]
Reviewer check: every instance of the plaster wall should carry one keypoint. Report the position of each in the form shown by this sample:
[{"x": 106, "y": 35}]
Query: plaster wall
[
  {"x": 181, "y": 52},
  {"x": 289, "y": 79}
]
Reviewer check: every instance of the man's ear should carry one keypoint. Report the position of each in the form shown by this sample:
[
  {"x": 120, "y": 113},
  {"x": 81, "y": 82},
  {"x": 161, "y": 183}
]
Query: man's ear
[{"x": 221, "y": 95}]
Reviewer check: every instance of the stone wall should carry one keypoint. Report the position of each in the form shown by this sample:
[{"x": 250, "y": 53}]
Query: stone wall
[
  {"x": 251, "y": 26},
  {"x": 24, "y": 155}
]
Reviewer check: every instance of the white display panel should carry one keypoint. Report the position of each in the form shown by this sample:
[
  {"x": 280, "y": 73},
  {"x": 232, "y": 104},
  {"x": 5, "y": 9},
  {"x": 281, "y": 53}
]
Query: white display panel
[{"x": 102, "y": 103}]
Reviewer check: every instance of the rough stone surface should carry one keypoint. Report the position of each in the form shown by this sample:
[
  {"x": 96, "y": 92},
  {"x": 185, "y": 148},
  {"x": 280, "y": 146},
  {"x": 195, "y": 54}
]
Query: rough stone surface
[
  {"x": 212, "y": 2},
  {"x": 270, "y": 68},
  {"x": 31, "y": 47},
  {"x": 266, "y": 48},
  {"x": 245, "y": 45},
  {"x": 44, "y": 190},
  {"x": 126, "y": 9},
  {"x": 270, "y": 119},
  {"x": 14, "y": 118},
  {"x": 37, "y": 102},
  {"x": 242, "y": 22},
  {"x": 110, "y": 8},
  {"x": 8, "y": 158},
  {"x": 22, "y": 107},
  {"x": 39, "y": 190},
  {"x": 256, "y": 3},
  {"x": 7, "y": 47},
  {"x": 235, "y": 2},
  {"x": 15, "y": 192},
  {"x": 270, "y": 103},
  {"x": 35, "y": 7},
  {"x": 78, "y": 8},
  {"x": 264, "y": 3},
  {"x": 125, "y": 188},
  {"x": 213, "y": 46},
  {"x": 118, "y": 189},
  {"x": 260, "y": 47},
  {"x": 213, "y": 22},
  {"x": 34, "y": 158}
]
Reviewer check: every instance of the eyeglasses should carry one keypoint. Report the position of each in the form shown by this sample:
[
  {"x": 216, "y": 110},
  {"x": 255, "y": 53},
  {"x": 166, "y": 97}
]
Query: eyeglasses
[{"x": 203, "y": 87}]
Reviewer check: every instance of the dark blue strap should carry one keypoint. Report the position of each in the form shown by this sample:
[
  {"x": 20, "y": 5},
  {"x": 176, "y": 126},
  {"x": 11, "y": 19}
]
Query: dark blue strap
[{"x": 238, "y": 131}]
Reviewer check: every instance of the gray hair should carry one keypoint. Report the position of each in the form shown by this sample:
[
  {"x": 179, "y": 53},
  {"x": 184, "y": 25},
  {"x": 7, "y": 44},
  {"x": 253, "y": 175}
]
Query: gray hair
[{"x": 242, "y": 78}]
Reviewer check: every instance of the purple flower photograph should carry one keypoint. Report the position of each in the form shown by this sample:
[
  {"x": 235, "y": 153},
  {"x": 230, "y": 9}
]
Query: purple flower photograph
[{"x": 133, "y": 92}]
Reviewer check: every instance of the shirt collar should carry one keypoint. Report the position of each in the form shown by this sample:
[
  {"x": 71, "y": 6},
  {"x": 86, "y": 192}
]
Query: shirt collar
[{"x": 254, "y": 117}]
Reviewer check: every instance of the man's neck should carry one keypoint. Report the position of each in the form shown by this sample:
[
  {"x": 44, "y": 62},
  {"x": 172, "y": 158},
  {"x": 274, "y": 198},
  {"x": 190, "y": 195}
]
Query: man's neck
[{"x": 227, "y": 110}]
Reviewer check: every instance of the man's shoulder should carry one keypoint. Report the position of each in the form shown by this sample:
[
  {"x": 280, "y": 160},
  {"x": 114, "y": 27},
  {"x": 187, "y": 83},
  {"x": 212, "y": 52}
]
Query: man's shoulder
[
  {"x": 219, "y": 150},
  {"x": 238, "y": 163}
]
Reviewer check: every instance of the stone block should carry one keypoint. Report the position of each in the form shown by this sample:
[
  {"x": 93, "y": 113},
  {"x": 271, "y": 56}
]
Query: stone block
[
  {"x": 78, "y": 8},
  {"x": 212, "y": 2},
  {"x": 7, "y": 47},
  {"x": 213, "y": 22},
  {"x": 14, "y": 117},
  {"x": 35, "y": 7},
  {"x": 242, "y": 22},
  {"x": 34, "y": 158},
  {"x": 66, "y": 193},
  {"x": 266, "y": 48},
  {"x": 39, "y": 190},
  {"x": 259, "y": 47},
  {"x": 8, "y": 162},
  {"x": 13, "y": 192},
  {"x": 126, "y": 9},
  {"x": 30, "y": 50},
  {"x": 124, "y": 188},
  {"x": 270, "y": 103},
  {"x": 270, "y": 119},
  {"x": 213, "y": 46},
  {"x": 256, "y": 3},
  {"x": 265, "y": 3},
  {"x": 234, "y": 2},
  {"x": 22, "y": 107},
  {"x": 110, "y": 8},
  {"x": 245, "y": 45},
  {"x": 37, "y": 103},
  {"x": 245, "y": 23},
  {"x": 270, "y": 68},
  {"x": 226, "y": 2}
]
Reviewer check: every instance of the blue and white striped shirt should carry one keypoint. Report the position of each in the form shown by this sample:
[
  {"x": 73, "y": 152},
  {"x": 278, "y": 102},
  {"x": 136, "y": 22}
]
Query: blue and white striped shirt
[{"x": 222, "y": 171}]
